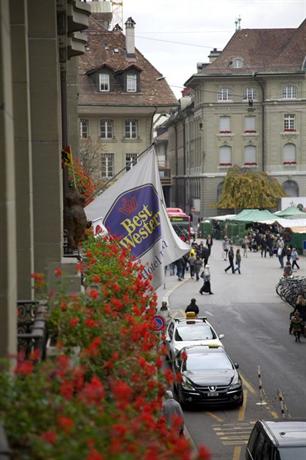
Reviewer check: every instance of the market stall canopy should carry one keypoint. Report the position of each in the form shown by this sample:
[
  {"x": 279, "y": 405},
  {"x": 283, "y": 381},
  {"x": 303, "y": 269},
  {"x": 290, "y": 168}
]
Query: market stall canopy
[
  {"x": 254, "y": 215},
  {"x": 291, "y": 213}
]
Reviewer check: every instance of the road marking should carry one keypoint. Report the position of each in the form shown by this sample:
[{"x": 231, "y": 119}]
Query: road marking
[
  {"x": 209, "y": 313},
  {"x": 242, "y": 409},
  {"x": 236, "y": 434},
  {"x": 248, "y": 385},
  {"x": 219, "y": 419},
  {"x": 236, "y": 453}
]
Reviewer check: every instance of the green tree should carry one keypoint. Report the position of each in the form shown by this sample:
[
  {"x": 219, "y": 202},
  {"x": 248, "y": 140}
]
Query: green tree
[{"x": 247, "y": 189}]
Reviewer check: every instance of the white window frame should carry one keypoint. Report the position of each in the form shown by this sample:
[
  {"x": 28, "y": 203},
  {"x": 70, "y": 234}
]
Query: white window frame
[
  {"x": 289, "y": 154},
  {"x": 84, "y": 128},
  {"x": 130, "y": 160},
  {"x": 224, "y": 124},
  {"x": 106, "y": 129},
  {"x": 289, "y": 92},
  {"x": 131, "y": 83},
  {"x": 107, "y": 165},
  {"x": 225, "y": 155},
  {"x": 224, "y": 95},
  {"x": 104, "y": 82},
  {"x": 131, "y": 129},
  {"x": 249, "y": 124},
  {"x": 249, "y": 94},
  {"x": 250, "y": 155},
  {"x": 289, "y": 122}
]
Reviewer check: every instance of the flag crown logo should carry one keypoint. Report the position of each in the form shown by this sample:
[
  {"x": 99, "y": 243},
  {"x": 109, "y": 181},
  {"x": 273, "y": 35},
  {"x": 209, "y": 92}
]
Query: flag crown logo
[{"x": 129, "y": 205}]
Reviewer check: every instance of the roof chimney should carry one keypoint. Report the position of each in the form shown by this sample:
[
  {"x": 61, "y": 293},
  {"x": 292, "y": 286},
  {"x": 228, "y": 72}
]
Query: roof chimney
[
  {"x": 213, "y": 55},
  {"x": 130, "y": 36}
]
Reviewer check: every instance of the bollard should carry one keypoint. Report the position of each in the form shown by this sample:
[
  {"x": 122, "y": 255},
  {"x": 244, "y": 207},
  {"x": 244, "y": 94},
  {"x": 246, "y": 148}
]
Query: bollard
[
  {"x": 283, "y": 407},
  {"x": 262, "y": 401}
]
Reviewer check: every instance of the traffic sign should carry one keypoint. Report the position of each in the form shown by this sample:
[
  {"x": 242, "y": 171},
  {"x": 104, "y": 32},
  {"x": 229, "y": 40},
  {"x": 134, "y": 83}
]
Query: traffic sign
[{"x": 159, "y": 323}]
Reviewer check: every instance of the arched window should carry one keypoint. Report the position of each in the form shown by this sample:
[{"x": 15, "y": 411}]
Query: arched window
[
  {"x": 289, "y": 154},
  {"x": 250, "y": 155},
  {"x": 219, "y": 190},
  {"x": 289, "y": 92},
  {"x": 225, "y": 155},
  {"x": 291, "y": 188}
]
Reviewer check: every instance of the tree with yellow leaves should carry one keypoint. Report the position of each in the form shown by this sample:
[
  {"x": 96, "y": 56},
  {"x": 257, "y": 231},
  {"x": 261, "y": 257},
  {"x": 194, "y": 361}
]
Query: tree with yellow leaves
[{"x": 243, "y": 189}]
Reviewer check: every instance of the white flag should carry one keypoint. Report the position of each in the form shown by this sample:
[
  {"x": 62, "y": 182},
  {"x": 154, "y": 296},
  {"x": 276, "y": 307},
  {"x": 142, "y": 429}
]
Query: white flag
[{"x": 133, "y": 211}]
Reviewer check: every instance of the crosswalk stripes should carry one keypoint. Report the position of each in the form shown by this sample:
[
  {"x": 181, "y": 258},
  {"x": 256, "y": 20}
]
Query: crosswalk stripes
[{"x": 234, "y": 434}]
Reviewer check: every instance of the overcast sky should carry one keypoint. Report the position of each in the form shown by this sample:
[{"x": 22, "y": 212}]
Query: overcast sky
[{"x": 197, "y": 26}]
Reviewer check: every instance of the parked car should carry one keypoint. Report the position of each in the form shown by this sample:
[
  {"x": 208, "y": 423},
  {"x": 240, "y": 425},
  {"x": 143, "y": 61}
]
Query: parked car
[
  {"x": 184, "y": 332},
  {"x": 208, "y": 376},
  {"x": 277, "y": 440}
]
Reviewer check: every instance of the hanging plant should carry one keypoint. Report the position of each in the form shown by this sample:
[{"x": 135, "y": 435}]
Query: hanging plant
[{"x": 79, "y": 178}]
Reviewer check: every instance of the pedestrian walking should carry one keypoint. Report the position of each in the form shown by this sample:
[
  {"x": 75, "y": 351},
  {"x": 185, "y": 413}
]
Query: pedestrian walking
[
  {"x": 238, "y": 261},
  {"x": 205, "y": 254},
  {"x": 197, "y": 267},
  {"x": 192, "y": 307},
  {"x": 173, "y": 413},
  {"x": 281, "y": 255},
  {"x": 245, "y": 245},
  {"x": 206, "y": 281},
  {"x": 294, "y": 258},
  {"x": 191, "y": 261},
  {"x": 231, "y": 260},
  {"x": 225, "y": 246},
  {"x": 209, "y": 243}
]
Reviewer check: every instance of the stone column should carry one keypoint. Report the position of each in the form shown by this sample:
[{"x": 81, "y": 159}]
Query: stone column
[
  {"x": 23, "y": 160},
  {"x": 46, "y": 133},
  {"x": 8, "y": 277}
]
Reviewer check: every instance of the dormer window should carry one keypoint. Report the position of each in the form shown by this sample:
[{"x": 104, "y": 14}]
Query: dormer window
[
  {"x": 131, "y": 83},
  {"x": 104, "y": 84},
  {"x": 237, "y": 63}
]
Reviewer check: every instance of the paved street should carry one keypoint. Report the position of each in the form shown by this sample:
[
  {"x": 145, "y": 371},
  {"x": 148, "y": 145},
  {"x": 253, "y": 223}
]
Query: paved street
[{"x": 255, "y": 323}]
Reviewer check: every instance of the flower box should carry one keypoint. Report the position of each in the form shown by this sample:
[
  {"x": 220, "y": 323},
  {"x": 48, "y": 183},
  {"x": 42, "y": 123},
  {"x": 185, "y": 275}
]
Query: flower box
[
  {"x": 289, "y": 162},
  {"x": 250, "y": 131},
  {"x": 225, "y": 164},
  {"x": 250, "y": 163},
  {"x": 289, "y": 130},
  {"x": 225, "y": 132}
]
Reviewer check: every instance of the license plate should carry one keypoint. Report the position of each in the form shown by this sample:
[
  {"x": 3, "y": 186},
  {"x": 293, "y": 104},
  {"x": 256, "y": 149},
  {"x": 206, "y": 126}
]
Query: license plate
[{"x": 212, "y": 394}]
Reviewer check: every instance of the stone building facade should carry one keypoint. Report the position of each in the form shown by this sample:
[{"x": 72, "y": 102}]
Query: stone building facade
[
  {"x": 120, "y": 93},
  {"x": 248, "y": 109}
]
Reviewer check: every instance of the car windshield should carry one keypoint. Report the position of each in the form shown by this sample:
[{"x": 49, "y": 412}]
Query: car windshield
[
  {"x": 197, "y": 331},
  {"x": 208, "y": 361},
  {"x": 292, "y": 453}
]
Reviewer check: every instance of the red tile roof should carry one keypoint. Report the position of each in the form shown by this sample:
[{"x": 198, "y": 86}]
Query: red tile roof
[
  {"x": 102, "y": 46},
  {"x": 262, "y": 50}
]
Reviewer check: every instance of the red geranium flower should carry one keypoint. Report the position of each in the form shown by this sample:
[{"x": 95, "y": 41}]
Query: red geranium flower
[
  {"x": 94, "y": 455},
  {"x": 49, "y": 436},
  {"x": 58, "y": 272},
  {"x": 24, "y": 368},
  {"x": 203, "y": 453},
  {"x": 66, "y": 423},
  {"x": 74, "y": 322}
]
